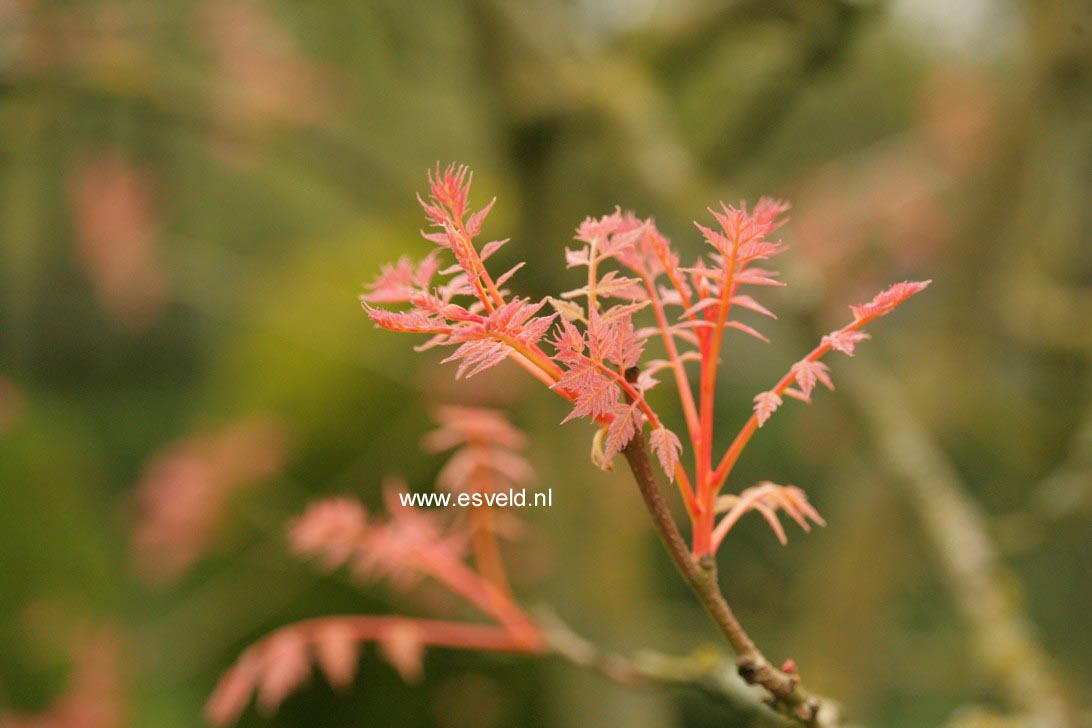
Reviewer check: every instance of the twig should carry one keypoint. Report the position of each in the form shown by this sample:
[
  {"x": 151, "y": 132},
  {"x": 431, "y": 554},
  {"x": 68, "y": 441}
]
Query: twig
[{"x": 784, "y": 689}]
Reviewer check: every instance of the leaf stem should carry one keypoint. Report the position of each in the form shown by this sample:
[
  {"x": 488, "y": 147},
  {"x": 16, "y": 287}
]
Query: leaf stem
[
  {"x": 703, "y": 528},
  {"x": 472, "y": 586},
  {"x": 751, "y": 426},
  {"x": 686, "y": 396}
]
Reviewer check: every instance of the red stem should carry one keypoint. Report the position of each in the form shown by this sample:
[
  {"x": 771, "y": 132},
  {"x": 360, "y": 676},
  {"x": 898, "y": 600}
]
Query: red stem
[{"x": 724, "y": 468}]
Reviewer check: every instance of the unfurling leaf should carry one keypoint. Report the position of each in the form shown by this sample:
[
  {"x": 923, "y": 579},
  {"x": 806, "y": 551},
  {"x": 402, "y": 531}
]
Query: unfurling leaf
[
  {"x": 844, "y": 340},
  {"x": 886, "y": 301},
  {"x": 808, "y": 372},
  {"x": 767, "y": 498}
]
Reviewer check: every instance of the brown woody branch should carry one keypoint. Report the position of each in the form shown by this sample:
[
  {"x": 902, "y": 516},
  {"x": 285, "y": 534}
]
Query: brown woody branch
[{"x": 785, "y": 691}]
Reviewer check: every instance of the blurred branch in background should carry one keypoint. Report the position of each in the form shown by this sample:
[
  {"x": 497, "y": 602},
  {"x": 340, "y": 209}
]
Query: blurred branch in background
[
  {"x": 987, "y": 595},
  {"x": 1066, "y": 493},
  {"x": 190, "y": 194},
  {"x": 799, "y": 40},
  {"x": 1047, "y": 267},
  {"x": 546, "y": 78}
]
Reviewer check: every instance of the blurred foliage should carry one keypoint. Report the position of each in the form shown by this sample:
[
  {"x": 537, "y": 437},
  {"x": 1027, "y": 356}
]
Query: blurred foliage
[{"x": 192, "y": 193}]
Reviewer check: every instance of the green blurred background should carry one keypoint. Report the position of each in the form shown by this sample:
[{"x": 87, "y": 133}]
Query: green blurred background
[{"x": 191, "y": 194}]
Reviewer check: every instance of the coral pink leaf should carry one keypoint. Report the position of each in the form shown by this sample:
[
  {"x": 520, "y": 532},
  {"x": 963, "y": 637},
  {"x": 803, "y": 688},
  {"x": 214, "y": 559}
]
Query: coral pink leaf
[
  {"x": 622, "y": 243},
  {"x": 756, "y": 277},
  {"x": 624, "y": 311},
  {"x": 619, "y": 286},
  {"x": 738, "y": 506},
  {"x": 752, "y": 305},
  {"x": 596, "y": 393},
  {"x": 771, "y": 518},
  {"x": 766, "y": 403},
  {"x": 413, "y": 322},
  {"x": 592, "y": 229},
  {"x": 746, "y": 329},
  {"x": 614, "y": 340},
  {"x": 492, "y": 247},
  {"x": 329, "y": 530},
  {"x": 768, "y": 210},
  {"x": 442, "y": 239},
  {"x": 699, "y": 306},
  {"x": 666, "y": 445},
  {"x": 394, "y": 284},
  {"x": 534, "y": 329},
  {"x": 700, "y": 270},
  {"x": 450, "y": 190},
  {"x": 683, "y": 332},
  {"x": 478, "y": 356},
  {"x": 844, "y": 340},
  {"x": 507, "y": 275},
  {"x": 477, "y": 426},
  {"x": 576, "y": 258},
  {"x": 806, "y": 508},
  {"x": 432, "y": 343},
  {"x": 758, "y": 250},
  {"x": 474, "y": 222},
  {"x": 284, "y": 668},
  {"x": 402, "y": 646},
  {"x": 767, "y": 498},
  {"x": 808, "y": 372},
  {"x": 184, "y": 490},
  {"x": 718, "y": 241},
  {"x": 435, "y": 213},
  {"x": 623, "y": 428},
  {"x": 568, "y": 310},
  {"x": 336, "y": 652},
  {"x": 569, "y": 343},
  {"x": 233, "y": 691},
  {"x": 886, "y": 301},
  {"x": 793, "y": 501}
]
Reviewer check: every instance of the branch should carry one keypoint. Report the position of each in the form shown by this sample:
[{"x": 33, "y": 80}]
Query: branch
[
  {"x": 701, "y": 574},
  {"x": 705, "y": 669}
]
